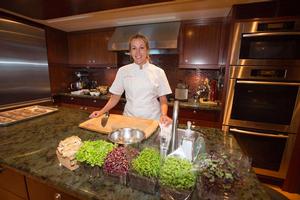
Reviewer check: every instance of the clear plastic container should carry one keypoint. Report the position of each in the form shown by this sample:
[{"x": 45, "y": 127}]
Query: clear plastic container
[
  {"x": 163, "y": 146},
  {"x": 187, "y": 142}
]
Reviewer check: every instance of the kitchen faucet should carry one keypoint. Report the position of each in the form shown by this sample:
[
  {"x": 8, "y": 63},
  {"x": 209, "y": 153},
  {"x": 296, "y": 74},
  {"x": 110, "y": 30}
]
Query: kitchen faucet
[{"x": 174, "y": 124}]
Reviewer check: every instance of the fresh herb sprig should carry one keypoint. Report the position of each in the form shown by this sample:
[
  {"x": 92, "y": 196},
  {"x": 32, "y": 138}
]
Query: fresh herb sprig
[
  {"x": 94, "y": 152},
  {"x": 147, "y": 163},
  {"x": 177, "y": 173}
]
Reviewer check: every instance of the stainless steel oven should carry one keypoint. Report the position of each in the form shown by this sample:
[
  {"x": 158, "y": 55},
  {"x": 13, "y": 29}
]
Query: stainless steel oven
[
  {"x": 263, "y": 112},
  {"x": 266, "y": 43}
]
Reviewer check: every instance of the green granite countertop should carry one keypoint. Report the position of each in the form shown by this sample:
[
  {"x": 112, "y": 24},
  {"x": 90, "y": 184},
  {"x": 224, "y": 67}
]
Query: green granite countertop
[
  {"x": 191, "y": 103},
  {"x": 29, "y": 147}
]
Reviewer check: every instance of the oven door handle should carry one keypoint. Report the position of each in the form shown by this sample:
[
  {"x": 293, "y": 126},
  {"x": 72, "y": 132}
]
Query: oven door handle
[
  {"x": 268, "y": 83},
  {"x": 258, "y": 134},
  {"x": 270, "y": 34}
]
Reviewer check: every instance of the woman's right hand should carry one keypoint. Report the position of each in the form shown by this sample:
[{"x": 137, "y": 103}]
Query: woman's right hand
[{"x": 95, "y": 114}]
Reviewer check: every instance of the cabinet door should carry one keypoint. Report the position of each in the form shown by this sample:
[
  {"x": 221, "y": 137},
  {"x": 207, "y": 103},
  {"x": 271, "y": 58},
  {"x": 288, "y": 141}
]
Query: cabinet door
[
  {"x": 38, "y": 191},
  {"x": 200, "y": 45},
  {"x": 79, "y": 48},
  {"x": 101, "y": 55},
  {"x": 90, "y": 48},
  {"x": 5, "y": 195},
  {"x": 12, "y": 185}
]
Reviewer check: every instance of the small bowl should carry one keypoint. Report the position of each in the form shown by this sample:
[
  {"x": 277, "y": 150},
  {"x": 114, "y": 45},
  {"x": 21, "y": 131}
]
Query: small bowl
[{"x": 126, "y": 136}]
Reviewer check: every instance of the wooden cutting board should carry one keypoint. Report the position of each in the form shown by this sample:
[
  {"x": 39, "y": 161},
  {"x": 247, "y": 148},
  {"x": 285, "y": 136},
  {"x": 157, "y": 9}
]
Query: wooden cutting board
[{"x": 120, "y": 121}]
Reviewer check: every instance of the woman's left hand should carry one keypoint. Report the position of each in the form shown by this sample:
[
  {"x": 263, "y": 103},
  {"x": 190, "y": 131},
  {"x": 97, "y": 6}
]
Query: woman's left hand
[{"x": 165, "y": 120}]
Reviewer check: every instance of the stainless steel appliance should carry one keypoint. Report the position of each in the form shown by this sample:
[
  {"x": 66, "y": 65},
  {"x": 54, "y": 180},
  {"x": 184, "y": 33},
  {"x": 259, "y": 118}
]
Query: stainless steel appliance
[
  {"x": 182, "y": 92},
  {"x": 24, "y": 77},
  {"x": 263, "y": 111},
  {"x": 162, "y": 37},
  {"x": 266, "y": 43},
  {"x": 263, "y": 99}
]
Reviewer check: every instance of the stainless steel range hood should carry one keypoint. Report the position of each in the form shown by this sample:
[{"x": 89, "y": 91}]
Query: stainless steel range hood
[{"x": 161, "y": 36}]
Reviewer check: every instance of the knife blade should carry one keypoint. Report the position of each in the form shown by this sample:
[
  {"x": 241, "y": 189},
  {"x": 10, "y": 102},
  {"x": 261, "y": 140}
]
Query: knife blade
[{"x": 104, "y": 119}]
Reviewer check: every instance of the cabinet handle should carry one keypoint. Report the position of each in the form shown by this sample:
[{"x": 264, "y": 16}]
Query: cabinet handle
[
  {"x": 95, "y": 101},
  {"x": 57, "y": 196},
  {"x": 85, "y": 108},
  {"x": 72, "y": 98},
  {"x": 195, "y": 111},
  {"x": 81, "y": 108}
]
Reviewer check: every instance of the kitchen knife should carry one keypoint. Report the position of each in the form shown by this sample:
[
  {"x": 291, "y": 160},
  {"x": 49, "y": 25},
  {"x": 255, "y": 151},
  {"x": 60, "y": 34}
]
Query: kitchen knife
[{"x": 104, "y": 119}]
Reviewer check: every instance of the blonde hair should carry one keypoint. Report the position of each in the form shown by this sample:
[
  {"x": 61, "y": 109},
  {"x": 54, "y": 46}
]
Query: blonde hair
[{"x": 145, "y": 40}]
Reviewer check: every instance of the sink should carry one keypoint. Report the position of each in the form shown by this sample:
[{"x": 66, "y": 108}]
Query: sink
[{"x": 198, "y": 144}]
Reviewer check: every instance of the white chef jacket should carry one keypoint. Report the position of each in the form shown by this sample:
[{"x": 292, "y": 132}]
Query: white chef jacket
[{"x": 142, "y": 89}]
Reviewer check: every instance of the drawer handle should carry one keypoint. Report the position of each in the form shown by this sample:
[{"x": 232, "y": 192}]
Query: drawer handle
[
  {"x": 72, "y": 98},
  {"x": 258, "y": 134},
  {"x": 95, "y": 101},
  {"x": 57, "y": 196}
]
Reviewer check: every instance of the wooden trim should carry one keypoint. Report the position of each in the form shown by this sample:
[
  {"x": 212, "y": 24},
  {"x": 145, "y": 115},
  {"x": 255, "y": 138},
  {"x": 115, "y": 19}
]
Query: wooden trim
[
  {"x": 20, "y": 19},
  {"x": 92, "y": 31},
  {"x": 292, "y": 181},
  {"x": 204, "y": 21}
]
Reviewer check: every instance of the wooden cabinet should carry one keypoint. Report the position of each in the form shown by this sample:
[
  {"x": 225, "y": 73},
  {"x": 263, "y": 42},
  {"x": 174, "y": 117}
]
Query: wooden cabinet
[
  {"x": 268, "y": 9},
  {"x": 200, "y": 45},
  {"x": 38, "y": 191},
  {"x": 79, "y": 47},
  {"x": 202, "y": 118},
  {"x": 88, "y": 104},
  {"x": 12, "y": 185},
  {"x": 90, "y": 48}
]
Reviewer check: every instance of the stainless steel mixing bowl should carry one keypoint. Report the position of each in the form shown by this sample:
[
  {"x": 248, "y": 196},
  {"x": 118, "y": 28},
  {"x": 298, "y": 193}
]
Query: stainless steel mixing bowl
[{"x": 126, "y": 136}]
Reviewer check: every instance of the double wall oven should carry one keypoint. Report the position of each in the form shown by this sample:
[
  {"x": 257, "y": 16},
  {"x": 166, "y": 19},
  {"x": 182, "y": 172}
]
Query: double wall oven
[{"x": 263, "y": 101}]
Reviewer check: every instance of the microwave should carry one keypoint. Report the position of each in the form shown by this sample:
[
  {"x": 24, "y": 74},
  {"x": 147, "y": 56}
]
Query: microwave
[{"x": 266, "y": 43}]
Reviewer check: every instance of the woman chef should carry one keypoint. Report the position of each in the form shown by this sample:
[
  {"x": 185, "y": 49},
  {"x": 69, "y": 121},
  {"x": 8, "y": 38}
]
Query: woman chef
[{"x": 143, "y": 83}]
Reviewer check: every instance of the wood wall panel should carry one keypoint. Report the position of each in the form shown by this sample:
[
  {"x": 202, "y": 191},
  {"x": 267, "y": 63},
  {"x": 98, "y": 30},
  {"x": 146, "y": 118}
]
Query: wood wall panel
[
  {"x": 57, "y": 51},
  {"x": 57, "y": 46},
  {"x": 61, "y": 76}
]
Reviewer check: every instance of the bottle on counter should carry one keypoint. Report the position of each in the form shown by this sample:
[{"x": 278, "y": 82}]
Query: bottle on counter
[{"x": 187, "y": 142}]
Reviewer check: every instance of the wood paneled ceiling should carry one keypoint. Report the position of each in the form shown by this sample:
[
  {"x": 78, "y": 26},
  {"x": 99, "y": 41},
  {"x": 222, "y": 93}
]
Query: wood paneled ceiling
[
  {"x": 77, "y": 15},
  {"x": 49, "y": 9}
]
